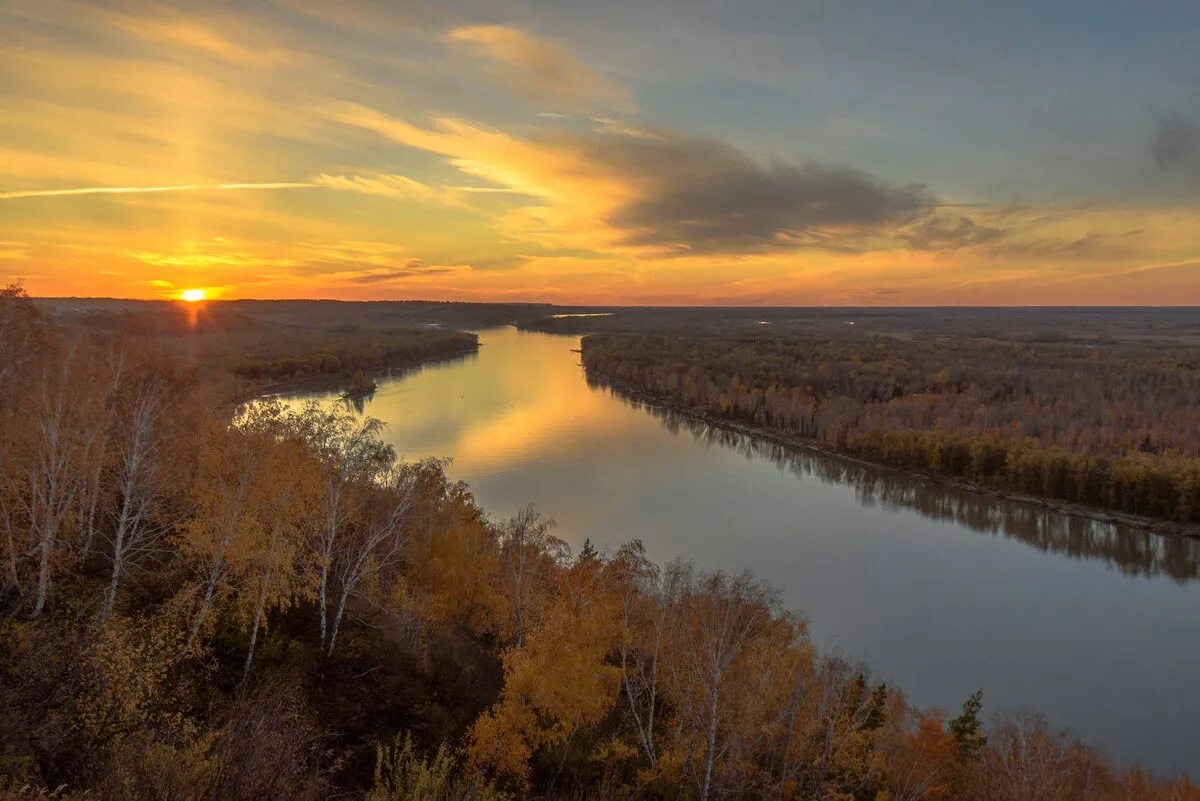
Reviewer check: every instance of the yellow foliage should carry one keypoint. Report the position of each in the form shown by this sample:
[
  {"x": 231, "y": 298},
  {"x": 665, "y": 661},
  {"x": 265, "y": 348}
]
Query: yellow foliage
[
  {"x": 558, "y": 680},
  {"x": 403, "y": 775},
  {"x": 458, "y": 567},
  {"x": 126, "y": 673}
]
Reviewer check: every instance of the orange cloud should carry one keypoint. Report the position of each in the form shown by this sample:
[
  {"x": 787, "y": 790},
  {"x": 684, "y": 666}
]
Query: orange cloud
[
  {"x": 577, "y": 195},
  {"x": 541, "y": 68},
  {"x": 188, "y": 32}
]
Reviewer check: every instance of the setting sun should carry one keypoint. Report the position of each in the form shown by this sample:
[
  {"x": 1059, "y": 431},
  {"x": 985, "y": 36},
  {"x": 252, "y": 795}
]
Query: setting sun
[{"x": 192, "y": 295}]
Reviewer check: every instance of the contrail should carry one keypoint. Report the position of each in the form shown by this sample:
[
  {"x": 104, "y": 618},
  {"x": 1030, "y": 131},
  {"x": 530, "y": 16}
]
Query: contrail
[{"x": 123, "y": 190}]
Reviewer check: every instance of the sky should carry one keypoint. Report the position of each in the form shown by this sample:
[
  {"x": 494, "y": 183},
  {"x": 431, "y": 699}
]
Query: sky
[{"x": 604, "y": 152}]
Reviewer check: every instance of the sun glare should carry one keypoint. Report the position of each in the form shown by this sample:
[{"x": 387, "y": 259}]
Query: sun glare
[{"x": 192, "y": 295}]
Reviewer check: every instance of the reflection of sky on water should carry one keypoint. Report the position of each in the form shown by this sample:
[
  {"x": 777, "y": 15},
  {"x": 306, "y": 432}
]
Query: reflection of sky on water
[{"x": 940, "y": 590}]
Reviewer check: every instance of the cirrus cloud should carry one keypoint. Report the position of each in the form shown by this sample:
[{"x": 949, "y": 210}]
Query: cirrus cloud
[
  {"x": 541, "y": 68},
  {"x": 384, "y": 185}
]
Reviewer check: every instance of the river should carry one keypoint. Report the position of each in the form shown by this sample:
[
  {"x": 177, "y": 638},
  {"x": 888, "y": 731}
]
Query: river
[{"x": 939, "y": 590}]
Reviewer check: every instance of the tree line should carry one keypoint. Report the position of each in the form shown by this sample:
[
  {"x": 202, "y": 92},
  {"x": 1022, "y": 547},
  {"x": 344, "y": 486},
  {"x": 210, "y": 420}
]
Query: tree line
[
  {"x": 1135, "y": 552},
  {"x": 232, "y": 336},
  {"x": 345, "y": 353},
  {"x": 208, "y": 601},
  {"x": 1113, "y": 428}
]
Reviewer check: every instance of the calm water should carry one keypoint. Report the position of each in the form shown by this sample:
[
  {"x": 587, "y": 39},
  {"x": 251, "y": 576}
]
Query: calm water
[{"x": 939, "y": 590}]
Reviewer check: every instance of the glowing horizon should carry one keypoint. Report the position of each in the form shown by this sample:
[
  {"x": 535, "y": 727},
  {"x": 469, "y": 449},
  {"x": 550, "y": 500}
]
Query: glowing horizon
[{"x": 653, "y": 155}]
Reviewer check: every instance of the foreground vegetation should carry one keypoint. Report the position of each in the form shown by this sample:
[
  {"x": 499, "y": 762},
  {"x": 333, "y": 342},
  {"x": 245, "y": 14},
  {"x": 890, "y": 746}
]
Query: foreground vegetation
[
  {"x": 200, "y": 602},
  {"x": 1113, "y": 428}
]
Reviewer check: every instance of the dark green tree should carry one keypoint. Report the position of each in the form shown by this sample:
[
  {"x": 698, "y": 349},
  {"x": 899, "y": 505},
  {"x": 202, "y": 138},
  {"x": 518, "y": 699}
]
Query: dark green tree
[
  {"x": 967, "y": 729},
  {"x": 588, "y": 552}
]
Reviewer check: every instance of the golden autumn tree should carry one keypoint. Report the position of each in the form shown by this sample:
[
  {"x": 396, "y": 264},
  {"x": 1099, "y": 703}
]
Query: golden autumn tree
[
  {"x": 140, "y": 494},
  {"x": 22, "y": 341},
  {"x": 646, "y": 612},
  {"x": 351, "y": 455},
  {"x": 720, "y": 619},
  {"x": 456, "y": 565},
  {"x": 559, "y": 679},
  {"x": 921, "y": 761},
  {"x": 231, "y": 491},
  {"x": 529, "y": 554},
  {"x": 272, "y": 570},
  {"x": 55, "y": 441},
  {"x": 373, "y": 546}
]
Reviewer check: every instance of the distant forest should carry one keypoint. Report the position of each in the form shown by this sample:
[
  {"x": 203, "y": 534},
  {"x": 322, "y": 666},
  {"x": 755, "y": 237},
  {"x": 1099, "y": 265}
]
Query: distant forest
[
  {"x": 265, "y": 342},
  {"x": 1113, "y": 427},
  {"x": 202, "y": 600},
  {"x": 350, "y": 352},
  {"x": 1138, "y": 553}
]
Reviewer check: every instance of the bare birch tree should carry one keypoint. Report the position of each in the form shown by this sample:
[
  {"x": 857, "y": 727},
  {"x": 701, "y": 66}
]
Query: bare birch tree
[
  {"x": 527, "y": 551},
  {"x": 57, "y": 437},
  {"x": 351, "y": 453},
  {"x": 136, "y": 529},
  {"x": 376, "y": 543},
  {"x": 721, "y": 617},
  {"x": 648, "y": 599}
]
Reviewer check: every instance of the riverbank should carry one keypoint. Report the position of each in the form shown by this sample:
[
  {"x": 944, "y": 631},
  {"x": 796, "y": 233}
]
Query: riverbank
[
  {"x": 1099, "y": 514},
  {"x": 332, "y": 382}
]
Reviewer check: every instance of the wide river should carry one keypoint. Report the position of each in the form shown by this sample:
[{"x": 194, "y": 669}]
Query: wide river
[{"x": 940, "y": 591}]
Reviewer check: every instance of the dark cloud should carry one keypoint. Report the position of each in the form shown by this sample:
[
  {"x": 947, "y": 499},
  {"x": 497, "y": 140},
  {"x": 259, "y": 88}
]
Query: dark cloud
[
  {"x": 952, "y": 233},
  {"x": 379, "y": 278},
  {"x": 407, "y": 270},
  {"x": 1014, "y": 241},
  {"x": 499, "y": 263},
  {"x": 701, "y": 195},
  {"x": 1093, "y": 245},
  {"x": 877, "y": 292},
  {"x": 1177, "y": 143}
]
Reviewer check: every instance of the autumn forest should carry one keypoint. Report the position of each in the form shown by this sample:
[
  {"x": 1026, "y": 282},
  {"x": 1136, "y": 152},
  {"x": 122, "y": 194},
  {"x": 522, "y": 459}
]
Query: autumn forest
[
  {"x": 1108, "y": 427},
  {"x": 648, "y": 400},
  {"x": 211, "y": 600}
]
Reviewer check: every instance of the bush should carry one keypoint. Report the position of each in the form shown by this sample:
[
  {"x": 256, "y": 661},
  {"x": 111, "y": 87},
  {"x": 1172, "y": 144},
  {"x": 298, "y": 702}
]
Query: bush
[{"x": 403, "y": 775}]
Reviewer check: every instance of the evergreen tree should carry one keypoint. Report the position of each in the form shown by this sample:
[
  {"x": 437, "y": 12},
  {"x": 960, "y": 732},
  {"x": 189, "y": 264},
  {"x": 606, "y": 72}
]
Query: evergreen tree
[
  {"x": 588, "y": 552},
  {"x": 966, "y": 727}
]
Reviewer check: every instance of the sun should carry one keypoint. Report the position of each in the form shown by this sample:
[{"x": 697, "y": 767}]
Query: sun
[{"x": 193, "y": 295}]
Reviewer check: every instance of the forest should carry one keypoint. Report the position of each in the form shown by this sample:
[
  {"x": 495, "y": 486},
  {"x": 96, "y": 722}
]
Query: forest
[
  {"x": 341, "y": 353},
  {"x": 202, "y": 599},
  {"x": 1110, "y": 427},
  {"x": 1097, "y": 326},
  {"x": 264, "y": 343},
  {"x": 1131, "y": 551}
]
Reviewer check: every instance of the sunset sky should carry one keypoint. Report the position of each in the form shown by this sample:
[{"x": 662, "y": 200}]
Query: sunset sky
[{"x": 613, "y": 151}]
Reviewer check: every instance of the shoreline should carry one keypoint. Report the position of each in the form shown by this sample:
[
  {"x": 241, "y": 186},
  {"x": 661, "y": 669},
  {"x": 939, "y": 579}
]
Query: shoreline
[
  {"x": 1150, "y": 525},
  {"x": 330, "y": 382}
]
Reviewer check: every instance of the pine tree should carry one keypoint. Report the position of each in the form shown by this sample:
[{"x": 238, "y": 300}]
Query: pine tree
[
  {"x": 966, "y": 727},
  {"x": 588, "y": 551}
]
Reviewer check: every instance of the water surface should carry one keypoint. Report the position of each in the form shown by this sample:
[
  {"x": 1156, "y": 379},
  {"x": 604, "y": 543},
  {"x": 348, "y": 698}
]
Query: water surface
[{"x": 941, "y": 591}]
